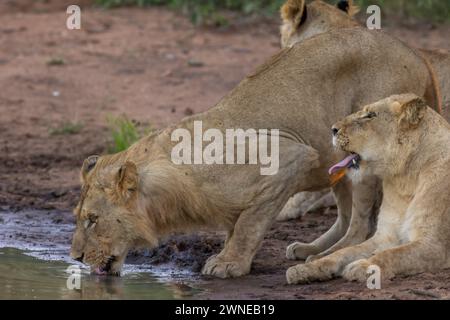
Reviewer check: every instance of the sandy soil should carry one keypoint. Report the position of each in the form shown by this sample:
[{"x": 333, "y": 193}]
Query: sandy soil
[{"x": 155, "y": 67}]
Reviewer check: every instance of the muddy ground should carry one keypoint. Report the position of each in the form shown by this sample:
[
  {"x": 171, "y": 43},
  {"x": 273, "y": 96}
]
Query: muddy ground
[{"x": 155, "y": 67}]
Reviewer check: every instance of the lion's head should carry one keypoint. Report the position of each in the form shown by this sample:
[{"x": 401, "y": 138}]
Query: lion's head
[
  {"x": 106, "y": 223},
  {"x": 381, "y": 136},
  {"x": 128, "y": 204},
  {"x": 302, "y": 21}
]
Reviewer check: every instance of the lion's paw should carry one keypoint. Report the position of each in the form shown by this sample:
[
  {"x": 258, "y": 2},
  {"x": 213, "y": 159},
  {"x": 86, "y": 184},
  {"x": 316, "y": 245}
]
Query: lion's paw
[
  {"x": 217, "y": 267},
  {"x": 300, "y": 251},
  {"x": 357, "y": 271}
]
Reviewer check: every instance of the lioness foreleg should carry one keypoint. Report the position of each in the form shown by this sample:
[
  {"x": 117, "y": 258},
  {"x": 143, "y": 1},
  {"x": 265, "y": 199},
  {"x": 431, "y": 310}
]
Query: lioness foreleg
[
  {"x": 426, "y": 250},
  {"x": 367, "y": 195},
  {"x": 343, "y": 195},
  {"x": 331, "y": 266},
  {"x": 407, "y": 259}
]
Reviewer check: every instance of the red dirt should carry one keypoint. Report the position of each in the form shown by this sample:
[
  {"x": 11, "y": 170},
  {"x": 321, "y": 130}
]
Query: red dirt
[{"x": 136, "y": 62}]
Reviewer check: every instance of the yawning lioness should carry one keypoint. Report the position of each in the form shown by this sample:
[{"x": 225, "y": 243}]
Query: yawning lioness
[{"x": 407, "y": 145}]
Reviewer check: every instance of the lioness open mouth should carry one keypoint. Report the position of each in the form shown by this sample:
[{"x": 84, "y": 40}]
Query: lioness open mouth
[
  {"x": 106, "y": 269},
  {"x": 350, "y": 162}
]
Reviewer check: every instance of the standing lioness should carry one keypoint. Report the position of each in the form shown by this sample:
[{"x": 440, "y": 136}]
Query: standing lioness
[{"x": 407, "y": 145}]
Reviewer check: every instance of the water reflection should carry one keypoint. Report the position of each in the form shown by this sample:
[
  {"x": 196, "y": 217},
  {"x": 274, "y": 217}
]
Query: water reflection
[{"x": 25, "y": 277}]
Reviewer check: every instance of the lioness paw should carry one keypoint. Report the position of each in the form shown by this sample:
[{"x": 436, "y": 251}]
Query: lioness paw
[
  {"x": 215, "y": 266},
  {"x": 315, "y": 257},
  {"x": 305, "y": 273},
  {"x": 297, "y": 275},
  {"x": 357, "y": 271},
  {"x": 319, "y": 256},
  {"x": 300, "y": 251}
]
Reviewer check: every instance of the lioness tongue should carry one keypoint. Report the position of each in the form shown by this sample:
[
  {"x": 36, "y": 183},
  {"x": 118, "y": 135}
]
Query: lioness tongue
[{"x": 346, "y": 163}]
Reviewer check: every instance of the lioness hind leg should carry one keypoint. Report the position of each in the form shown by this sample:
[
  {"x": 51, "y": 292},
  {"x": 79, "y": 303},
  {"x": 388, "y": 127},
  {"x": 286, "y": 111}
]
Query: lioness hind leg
[
  {"x": 343, "y": 194},
  {"x": 272, "y": 193}
]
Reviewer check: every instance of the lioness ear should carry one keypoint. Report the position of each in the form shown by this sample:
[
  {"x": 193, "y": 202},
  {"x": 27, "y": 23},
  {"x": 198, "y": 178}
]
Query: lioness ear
[
  {"x": 348, "y": 7},
  {"x": 127, "y": 180},
  {"x": 294, "y": 12},
  {"x": 88, "y": 165},
  {"x": 412, "y": 110}
]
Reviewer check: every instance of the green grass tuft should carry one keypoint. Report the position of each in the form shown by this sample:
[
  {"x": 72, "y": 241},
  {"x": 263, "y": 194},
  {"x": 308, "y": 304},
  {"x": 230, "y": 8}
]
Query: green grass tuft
[
  {"x": 56, "y": 62},
  {"x": 66, "y": 128},
  {"x": 124, "y": 133}
]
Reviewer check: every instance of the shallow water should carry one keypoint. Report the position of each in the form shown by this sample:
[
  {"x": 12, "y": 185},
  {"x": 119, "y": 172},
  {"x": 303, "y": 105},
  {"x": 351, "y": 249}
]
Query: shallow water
[
  {"x": 34, "y": 264},
  {"x": 26, "y": 277}
]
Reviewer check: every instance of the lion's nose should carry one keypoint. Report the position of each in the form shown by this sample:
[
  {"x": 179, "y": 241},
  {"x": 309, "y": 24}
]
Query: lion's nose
[{"x": 335, "y": 131}]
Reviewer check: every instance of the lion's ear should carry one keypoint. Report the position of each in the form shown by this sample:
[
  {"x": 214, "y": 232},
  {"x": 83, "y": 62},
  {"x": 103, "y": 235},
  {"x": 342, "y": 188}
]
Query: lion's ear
[
  {"x": 88, "y": 165},
  {"x": 294, "y": 12},
  {"x": 348, "y": 6},
  {"x": 412, "y": 110},
  {"x": 127, "y": 180}
]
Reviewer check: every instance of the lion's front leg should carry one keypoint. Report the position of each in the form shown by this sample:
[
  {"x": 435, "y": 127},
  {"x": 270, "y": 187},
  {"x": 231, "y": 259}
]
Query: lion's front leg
[
  {"x": 272, "y": 192},
  {"x": 240, "y": 247},
  {"x": 227, "y": 264},
  {"x": 223, "y": 266}
]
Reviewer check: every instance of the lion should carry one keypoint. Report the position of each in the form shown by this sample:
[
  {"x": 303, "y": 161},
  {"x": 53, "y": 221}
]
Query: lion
[
  {"x": 406, "y": 144},
  {"x": 301, "y": 21},
  {"x": 138, "y": 196}
]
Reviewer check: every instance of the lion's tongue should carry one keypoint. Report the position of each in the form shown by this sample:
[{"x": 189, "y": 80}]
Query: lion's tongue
[
  {"x": 346, "y": 163},
  {"x": 99, "y": 271}
]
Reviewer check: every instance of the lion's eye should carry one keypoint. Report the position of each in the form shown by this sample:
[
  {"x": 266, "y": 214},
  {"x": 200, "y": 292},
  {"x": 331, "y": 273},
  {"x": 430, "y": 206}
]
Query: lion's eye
[
  {"x": 370, "y": 115},
  {"x": 90, "y": 221}
]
